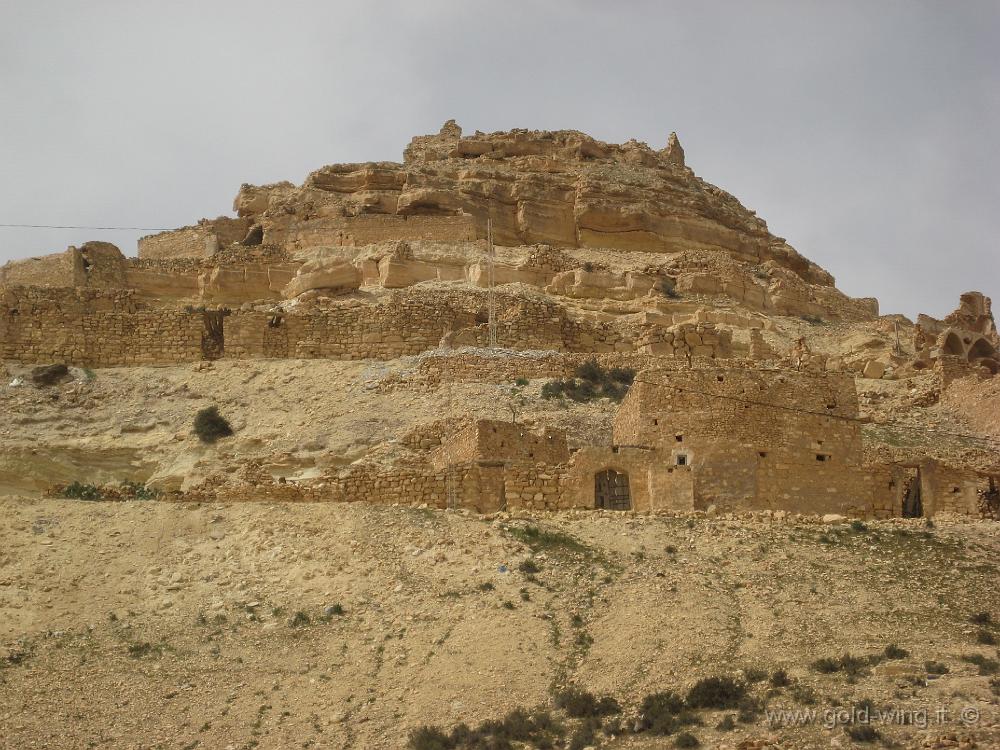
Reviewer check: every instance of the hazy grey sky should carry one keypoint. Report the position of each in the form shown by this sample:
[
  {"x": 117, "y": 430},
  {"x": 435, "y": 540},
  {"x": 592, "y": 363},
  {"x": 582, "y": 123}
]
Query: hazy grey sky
[{"x": 863, "y": 132}]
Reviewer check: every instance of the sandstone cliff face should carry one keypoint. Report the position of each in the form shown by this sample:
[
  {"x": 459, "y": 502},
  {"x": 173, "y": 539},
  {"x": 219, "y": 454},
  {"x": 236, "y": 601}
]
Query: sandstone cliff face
[{"x": 560, "y": 188}]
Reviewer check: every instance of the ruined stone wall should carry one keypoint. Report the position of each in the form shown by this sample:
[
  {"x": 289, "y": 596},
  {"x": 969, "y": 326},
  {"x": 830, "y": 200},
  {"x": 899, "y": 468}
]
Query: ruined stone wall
[
  {"x": 493, "y": 440},
  {"x": 190, "y": 242},
  {"x": 94, "y": 328},
  {"x": 56, "y": 270},
  {"x": 950, "y": 489},
  {"x": 769, "y": 439}
]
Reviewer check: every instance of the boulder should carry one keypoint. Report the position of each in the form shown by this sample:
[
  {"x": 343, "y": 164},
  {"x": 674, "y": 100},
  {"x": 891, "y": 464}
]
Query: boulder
[
  {"x": 47, "y": 375},
  {"x": 874, "y": 369},
  {"x": 324, "y": 273}
]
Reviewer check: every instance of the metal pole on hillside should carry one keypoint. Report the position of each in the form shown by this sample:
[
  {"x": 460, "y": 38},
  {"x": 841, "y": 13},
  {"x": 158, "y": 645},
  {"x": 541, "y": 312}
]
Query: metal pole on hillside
[{"x": 490, "y": 283}]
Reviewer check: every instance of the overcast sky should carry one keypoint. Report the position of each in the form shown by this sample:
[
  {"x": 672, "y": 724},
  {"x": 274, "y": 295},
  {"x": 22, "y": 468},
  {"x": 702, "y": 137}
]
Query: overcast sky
[{"x": 866, "y": 133}]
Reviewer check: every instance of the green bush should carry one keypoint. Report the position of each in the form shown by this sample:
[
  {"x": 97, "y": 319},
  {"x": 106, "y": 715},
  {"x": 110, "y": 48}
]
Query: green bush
[
  {"x": 210, "y": 426},
  {"x": 779, "y": 678},
  {"x": 663, "y": 713},
  {"x": 935, "y": 667},
  {"x": 892, "y": 651},
  {"x": 666, "y": 287},
  {"x": 429, "y": 738},
  {"x": 139, "y": 491},
  {"x": 727, "y": 724},
  {"x": 981, "y": 618},
  {"x": 686, "y": 739},
  {"x": 716, "y": 692},
  {"x": 852, "y": 666},
  {"x": 591, "y": 381},
  {"x": 80, "y": 491},
  {"x": 862, "y": 733},
  {"x": 986, "y": 665},
  {"x": 529, "y": 567},
  {"x": 579, "y": 703},
  {"x": 986, "y": 638}
]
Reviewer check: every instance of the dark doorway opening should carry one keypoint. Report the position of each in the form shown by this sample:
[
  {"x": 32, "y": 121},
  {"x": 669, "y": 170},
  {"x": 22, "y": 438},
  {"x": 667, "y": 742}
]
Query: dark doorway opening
[
  {"x": 213, "y": 338},
  {"x": 611, "y": 491},
  {"x": 913, "y": 506}
]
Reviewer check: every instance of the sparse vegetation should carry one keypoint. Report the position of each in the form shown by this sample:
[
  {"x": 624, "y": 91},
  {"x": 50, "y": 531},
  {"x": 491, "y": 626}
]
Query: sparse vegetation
[
  {"x": 935, "y": 667},
  {"x": 667, "y": 287},
  {"x": 892, "y": 651},
  {"x": 813, "y": 320},
  {"x": 579, "y": 703},
  {"x": 529, "y": 567},
  {"x": 852, "y": 666},
  {"x": 986, "y": 638},
  {"x": 591, "y": 382},
  {"x": 299, "y": 619},
  {"x": 81, "y": 491},
  {"x": 986, "y": 665},
  {"x": 727, "y": 724},
  {"x": 138, "y": 491},
  {"x": 981, "y": 618},
  {"x": 862, "y": 733},
  {"x": 779, "y": 678},
  {"x": 210, "y": 426},
  {"x": 664, "y": 713},
  {"x": 542, "y": 540},
  {"x": 686, "y": 739},
  {"x": 716, "y": 692},
  {"x": 538, "y": 728}
]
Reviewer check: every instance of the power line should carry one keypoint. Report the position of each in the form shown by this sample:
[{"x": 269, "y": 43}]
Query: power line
[{"x": 103, "y": 229}]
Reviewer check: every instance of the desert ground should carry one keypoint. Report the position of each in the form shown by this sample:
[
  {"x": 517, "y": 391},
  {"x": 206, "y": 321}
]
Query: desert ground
[{"x": 150, "y": 624}]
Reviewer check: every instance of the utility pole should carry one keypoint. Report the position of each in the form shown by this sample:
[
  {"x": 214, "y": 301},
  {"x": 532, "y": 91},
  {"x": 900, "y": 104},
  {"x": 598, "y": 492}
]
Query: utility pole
[{"x": 491, "y": 300}]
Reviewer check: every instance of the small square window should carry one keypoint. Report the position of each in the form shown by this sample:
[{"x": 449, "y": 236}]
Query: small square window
[
  {"x": 682, "y": 459},
  {"x": 762, "y": 454},
  {"x": 822, "y": 457},
  {"x": 679, "y": 438}
]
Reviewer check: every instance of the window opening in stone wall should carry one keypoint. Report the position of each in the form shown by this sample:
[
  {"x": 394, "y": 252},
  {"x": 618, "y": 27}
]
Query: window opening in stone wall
[
  {"x": 762, "y": 454},
  {"x": 682, "y": 459},
  {"x": 822, "y": 456},
  {"x": 611, "y": 490},
  {"x": 679, "y": 438}
]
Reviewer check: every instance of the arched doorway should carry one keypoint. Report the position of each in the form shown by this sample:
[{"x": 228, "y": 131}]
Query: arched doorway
[
  {"x": 611, "y": 491},
  {"x": 953, "y": 345}
]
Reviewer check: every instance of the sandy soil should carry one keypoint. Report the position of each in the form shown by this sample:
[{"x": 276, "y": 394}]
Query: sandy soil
[{"x": 158, "y": 625}]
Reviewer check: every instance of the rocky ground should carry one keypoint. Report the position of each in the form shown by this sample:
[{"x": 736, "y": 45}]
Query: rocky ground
[{"x": 160, "y": 625}]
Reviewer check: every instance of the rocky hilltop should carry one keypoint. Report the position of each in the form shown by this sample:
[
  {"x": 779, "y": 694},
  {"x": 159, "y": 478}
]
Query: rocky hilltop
[
  {"x": 476, "y": 262},
  {"x": 610, "y": 447}
]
